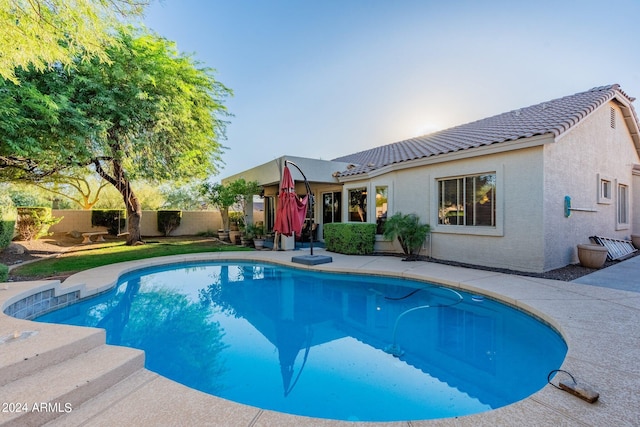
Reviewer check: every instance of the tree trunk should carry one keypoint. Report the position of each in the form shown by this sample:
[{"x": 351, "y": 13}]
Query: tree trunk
[
  {"x": 134, "y": 215},
  {"x": 131, "y": 202},
  {"x": 224, "y": 214}
]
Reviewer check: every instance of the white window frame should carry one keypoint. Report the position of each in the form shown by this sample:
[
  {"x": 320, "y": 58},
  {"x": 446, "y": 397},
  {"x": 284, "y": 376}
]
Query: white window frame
[
  {"x": 603, "y": 197},
  {"x": 372, "y": 200},
  {"x": 345, "y": 201},
  {"x": 497, "y": 230},
  {"x": 623, "y": 203}
]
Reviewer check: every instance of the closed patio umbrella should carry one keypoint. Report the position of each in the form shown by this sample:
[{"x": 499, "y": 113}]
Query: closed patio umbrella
[{"x": 291, "y": 211}]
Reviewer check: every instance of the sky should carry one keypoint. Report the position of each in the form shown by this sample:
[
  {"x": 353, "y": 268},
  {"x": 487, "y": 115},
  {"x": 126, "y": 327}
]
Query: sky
[{"x": 323, "y": 79}]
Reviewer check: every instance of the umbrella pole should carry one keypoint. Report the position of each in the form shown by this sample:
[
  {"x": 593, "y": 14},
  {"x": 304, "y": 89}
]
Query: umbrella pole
[{"x": 308, "y": 187}]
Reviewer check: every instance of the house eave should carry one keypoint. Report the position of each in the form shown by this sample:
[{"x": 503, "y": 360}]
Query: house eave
[
  {"x": 631, "y": 121},
  {"x": 269, "y": 174}
]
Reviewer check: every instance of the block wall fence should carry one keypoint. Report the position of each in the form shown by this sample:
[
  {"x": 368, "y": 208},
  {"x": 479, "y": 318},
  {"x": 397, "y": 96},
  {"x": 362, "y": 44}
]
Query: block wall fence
[{"x": 192, "y": 223}]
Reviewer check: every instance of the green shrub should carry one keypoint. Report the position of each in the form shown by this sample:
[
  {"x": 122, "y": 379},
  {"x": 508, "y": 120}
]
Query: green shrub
[
  {"x": 350, "y": 238},
  {"x": 8, "y": 216},
  {"x": 113, "y": 219},
  {"x": 34, "y": 223},
  {"x": 168, "y": 221},
  {"x": 410, "y": 232},
  {"x": 4, "y": 273}
]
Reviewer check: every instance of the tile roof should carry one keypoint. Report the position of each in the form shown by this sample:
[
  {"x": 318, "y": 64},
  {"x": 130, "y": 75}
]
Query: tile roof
[{"x": 552, "y": 117}]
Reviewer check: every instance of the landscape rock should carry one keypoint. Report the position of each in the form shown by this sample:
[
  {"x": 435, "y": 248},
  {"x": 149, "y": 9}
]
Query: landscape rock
[
  {"x": 75, "y": 234},
  {"x": 15, "y": 249}
]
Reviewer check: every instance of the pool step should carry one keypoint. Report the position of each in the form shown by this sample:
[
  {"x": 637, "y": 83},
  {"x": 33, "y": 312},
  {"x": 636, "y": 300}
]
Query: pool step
[
  {"x": 43, "y": 346},
  {"x": 94, "y": 409},
  {"x": 60, "y": 388},
  {"x": 148, "y": 399}
]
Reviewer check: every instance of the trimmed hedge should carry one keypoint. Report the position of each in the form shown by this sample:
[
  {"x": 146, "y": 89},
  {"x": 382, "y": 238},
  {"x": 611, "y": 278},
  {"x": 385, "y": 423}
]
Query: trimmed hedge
[
  {"x": 168, "y": 221},
  {"x": 354, "y": 238},
  {"x": 8, "y": 217},
  {"x": 34, "y": 222},
  {"x": 109, "y": 218}
]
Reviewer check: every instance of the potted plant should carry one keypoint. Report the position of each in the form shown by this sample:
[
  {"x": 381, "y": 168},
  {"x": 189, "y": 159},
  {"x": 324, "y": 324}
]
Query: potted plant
[
  {"x": 257, "y": 233},
  {"x": 409, "y": 231},
  {"x": 224, "y": 197},
  {"x": 244, "y": 191},
  {"x": 236, "y": 220},
  {"x": 246, "y": 236}
]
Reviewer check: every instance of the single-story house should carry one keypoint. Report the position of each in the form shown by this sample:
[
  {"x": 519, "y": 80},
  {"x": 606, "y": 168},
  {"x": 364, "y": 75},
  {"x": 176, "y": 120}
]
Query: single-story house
[{"x": 494, "y": 191}]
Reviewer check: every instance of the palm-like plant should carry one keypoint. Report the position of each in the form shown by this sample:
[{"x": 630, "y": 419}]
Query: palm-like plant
[{"x": 409, "y": 231}]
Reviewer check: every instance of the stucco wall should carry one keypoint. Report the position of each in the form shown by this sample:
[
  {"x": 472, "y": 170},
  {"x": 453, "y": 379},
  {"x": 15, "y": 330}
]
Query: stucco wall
[
  {"x": 635, "y": 216},
  {"x": 192, "y": 223},
  {"x": 516, "y": 242},
  {"x": 573, "y": 166},
  {"x": 78, "y": 220}
]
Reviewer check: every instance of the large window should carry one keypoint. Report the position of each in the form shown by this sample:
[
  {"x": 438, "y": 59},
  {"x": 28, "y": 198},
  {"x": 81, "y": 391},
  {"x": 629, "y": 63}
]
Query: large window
[
  {"x": 269, "y": 213},
  {"x": 358, "y": 204},
  {"x": 623, "y": 206},
  {"x": 331, "y": 210},
  {"x": 382, "y": 201},
  {"x": 468, "y": 200}
]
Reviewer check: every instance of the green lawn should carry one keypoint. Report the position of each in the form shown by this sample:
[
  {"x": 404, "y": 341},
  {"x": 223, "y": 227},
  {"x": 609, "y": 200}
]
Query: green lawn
[{"x": 110, "y": 253}]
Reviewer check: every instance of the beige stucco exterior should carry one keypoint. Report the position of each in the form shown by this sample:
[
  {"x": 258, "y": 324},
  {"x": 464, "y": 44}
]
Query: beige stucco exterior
[
  {"x": 511, "y": 243},
  {"x": 533, "y": 176},
  {"x": 574, "y": 166}
]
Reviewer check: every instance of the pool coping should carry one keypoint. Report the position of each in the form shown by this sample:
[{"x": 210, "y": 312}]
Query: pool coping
[{"x": 599, "y": 324}]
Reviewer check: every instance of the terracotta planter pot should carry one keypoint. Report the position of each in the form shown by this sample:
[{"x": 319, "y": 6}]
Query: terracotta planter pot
[
  {"x": 223, "y": 235},
  {"x": 234, "y": 236},
  {"x": 258, "y": 243},
  {"x": 592, "y": 256},
  {"x": 635, "y": 239}
]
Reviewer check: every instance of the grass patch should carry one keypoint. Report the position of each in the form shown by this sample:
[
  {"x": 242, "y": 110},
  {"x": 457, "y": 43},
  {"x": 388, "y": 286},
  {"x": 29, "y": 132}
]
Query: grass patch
[{"x": 111, "y": 253}]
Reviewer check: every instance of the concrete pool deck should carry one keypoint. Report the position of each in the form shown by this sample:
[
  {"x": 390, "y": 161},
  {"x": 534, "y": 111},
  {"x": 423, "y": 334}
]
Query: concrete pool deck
[{"x": 601, "y": 325}]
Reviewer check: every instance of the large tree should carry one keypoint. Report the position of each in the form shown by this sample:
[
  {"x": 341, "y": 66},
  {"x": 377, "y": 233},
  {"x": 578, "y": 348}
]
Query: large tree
[
  {"x": 41, "y": 130},
  {"x": 152, "y": 113},
  {"x": 77, "y": 186},
  {"x": 39, "y": 33}
]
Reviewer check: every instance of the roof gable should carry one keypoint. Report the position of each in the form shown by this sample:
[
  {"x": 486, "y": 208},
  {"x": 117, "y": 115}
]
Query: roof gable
[{"x": 554, "y": 117}]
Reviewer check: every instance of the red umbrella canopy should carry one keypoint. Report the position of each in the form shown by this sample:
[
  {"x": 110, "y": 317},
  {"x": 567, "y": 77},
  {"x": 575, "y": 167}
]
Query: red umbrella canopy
[{"x": 291, "y": 210}]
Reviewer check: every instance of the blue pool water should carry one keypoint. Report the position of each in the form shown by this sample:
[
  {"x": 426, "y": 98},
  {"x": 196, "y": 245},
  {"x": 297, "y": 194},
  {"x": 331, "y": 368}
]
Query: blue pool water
[{"x": 347, "y": 347}]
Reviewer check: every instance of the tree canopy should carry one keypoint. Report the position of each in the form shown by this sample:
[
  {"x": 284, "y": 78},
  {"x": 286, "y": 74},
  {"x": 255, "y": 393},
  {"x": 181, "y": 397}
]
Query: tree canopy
[
  {"x": 41, "y": 131},
  {"x": 40, "y": 33},
  {"x": 152, "y": 113},
  {"x": 153, "y": 109}
]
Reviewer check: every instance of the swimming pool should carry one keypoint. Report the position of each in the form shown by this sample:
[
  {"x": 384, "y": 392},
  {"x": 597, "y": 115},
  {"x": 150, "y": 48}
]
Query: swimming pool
[{"x": 323, "y": 344}]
